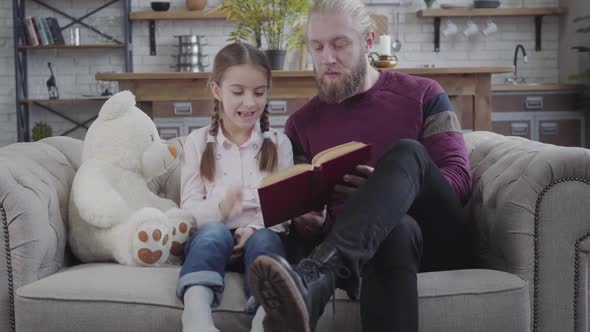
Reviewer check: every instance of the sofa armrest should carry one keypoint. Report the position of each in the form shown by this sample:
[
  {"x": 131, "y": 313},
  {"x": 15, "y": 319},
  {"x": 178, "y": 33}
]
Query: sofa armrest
[
  {"x": 531, "y": 203},
  {"x": 35, "y": 181}
]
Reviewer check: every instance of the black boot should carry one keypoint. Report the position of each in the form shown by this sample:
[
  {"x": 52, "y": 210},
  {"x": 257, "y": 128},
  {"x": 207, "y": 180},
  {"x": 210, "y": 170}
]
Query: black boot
[{"x": 294, "y": 297}]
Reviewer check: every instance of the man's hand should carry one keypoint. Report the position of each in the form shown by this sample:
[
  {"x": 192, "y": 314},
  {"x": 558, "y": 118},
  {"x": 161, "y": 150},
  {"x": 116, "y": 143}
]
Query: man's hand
[
  {"x": 231, "y": 205},
  {"x": 353, "y": 181},
  {"x": 241, "y": 236},
  {"x": 310, "y": 224}
]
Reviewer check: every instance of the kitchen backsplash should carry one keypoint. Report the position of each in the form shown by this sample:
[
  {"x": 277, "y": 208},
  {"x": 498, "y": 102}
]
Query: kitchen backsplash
[{"x": 75, "y": 69}]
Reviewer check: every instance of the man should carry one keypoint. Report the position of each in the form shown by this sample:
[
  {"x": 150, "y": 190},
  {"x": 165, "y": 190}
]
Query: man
[{"x": 389, "y": 222}]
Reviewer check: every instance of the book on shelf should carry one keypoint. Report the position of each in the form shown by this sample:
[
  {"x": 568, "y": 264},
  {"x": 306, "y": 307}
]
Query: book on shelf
[
  {"x": 55, "y": 31},
  {"x": 303, "y": 188},
  {"x": 45, "y": 28},
  {"x": 30, "y": 31},
  {"x": 42, "y": 31},
  {"x": 40, "y": 35}
]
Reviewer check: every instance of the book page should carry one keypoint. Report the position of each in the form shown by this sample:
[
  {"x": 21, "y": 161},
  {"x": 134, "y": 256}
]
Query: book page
[
  {"x": 285, "y": 174},
  {"x": 336, "y": 152}
]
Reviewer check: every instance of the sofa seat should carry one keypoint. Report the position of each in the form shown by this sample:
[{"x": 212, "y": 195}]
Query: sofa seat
[{"x": 112, "y": 297}]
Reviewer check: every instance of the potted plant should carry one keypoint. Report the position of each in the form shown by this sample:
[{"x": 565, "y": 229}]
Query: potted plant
[
  {"x": 268, "y": 21},
  {"x": 40, "y": 131},
  {"x": 584, "y": 76}
]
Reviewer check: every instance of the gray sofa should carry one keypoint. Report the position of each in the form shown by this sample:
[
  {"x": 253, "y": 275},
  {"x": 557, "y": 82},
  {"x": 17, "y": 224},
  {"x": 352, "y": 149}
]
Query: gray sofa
[{"x": 530, "y": 206}]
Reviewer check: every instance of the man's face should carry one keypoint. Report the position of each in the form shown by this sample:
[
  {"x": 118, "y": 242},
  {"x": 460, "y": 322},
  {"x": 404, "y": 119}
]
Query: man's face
[{"x": 338, "y": 52}]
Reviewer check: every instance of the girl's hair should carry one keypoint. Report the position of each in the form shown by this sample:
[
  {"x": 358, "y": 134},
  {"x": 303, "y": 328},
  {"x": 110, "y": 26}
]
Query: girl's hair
[
  {"x": 354, "y": 8},
  {"x": 232, "y": 55}
]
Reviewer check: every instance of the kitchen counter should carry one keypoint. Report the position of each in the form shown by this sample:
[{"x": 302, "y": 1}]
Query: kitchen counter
[
  {"x": 533, "y": 87},
  {"x": 299, "y": 73},
  {"x": 468, "y": 87}
]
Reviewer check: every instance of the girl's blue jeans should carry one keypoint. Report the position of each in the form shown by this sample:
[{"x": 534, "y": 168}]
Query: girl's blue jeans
[{"x": 207, "y": 253}]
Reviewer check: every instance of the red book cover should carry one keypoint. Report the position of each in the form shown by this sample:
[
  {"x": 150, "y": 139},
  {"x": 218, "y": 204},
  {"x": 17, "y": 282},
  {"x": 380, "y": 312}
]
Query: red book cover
[
  {"x": 36, "y": 26},
  {"x": 31, "y": 32},
  {"x": 304, "y": 188}
]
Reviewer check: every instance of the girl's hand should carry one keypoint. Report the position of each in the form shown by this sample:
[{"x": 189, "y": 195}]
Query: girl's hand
[
  {"x": 231, "y": 205},
  {"x": 241, "y": 236}
]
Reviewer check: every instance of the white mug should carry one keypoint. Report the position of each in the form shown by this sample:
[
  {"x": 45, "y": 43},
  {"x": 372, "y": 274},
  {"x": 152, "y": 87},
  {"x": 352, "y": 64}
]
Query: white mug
[
  {"x": 471, "y": 29},
  {"x": 450, "y": 29},
  {"x": 490, "y": 28}
]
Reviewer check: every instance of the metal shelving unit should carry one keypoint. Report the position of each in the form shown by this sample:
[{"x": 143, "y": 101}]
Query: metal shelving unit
[{"x": 21, "y": 50}]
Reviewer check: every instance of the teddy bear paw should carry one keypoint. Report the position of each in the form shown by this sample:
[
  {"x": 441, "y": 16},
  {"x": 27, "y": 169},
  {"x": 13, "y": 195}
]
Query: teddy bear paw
[
  {"x": 183, "y": 225},
  {"x": 151, "y": 245}
]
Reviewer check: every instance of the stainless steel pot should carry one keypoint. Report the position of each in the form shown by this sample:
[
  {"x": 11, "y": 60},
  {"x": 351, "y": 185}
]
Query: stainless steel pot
[
  {"x": 192, "y": 39},
  {"x": 204, "y": 60},
  {"x": 192, "y": 59},
  {"x": 188, "y": 68},
  {"x": 187, "y": 59},
  {"x": 189, "y": 49}
]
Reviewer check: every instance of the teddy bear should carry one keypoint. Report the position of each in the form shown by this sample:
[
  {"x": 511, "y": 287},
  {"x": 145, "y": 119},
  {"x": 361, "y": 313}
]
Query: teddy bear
[{"x": 113, "y": 216}]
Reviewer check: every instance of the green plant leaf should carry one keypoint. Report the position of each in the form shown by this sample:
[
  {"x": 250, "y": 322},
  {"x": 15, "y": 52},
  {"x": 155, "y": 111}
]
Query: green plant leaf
[
  {"x": 270, "y": 20},
  {"x": 583, "y": 76}
]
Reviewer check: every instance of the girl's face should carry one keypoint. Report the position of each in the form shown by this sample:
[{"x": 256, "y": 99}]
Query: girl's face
[{"x": 242, "y": 93}]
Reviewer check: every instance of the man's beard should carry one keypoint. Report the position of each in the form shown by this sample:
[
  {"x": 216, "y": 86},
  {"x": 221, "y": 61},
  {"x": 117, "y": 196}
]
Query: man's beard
[{"x": 337, "y": 92}]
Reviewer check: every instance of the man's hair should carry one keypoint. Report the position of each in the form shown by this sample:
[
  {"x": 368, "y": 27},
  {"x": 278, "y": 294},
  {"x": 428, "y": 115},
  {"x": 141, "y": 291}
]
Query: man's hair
[{"x": 352, "y": 8}]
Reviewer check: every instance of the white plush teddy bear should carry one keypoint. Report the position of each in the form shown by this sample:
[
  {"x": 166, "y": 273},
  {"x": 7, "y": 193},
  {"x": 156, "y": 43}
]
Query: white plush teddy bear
[{"x": 113, "y": 214}]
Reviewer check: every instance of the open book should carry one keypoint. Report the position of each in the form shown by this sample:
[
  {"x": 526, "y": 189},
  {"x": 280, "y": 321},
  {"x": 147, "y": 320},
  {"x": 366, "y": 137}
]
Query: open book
[{"x": 303, "y": 188}]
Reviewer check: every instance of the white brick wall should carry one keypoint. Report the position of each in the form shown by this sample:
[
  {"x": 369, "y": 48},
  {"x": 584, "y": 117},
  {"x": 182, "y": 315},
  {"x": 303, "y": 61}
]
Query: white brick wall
[
  {"x": 75, "y": 69},
  {"x": 7, "y": 113}
]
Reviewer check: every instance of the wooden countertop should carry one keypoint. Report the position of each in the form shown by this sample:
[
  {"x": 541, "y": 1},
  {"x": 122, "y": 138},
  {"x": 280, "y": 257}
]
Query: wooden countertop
[
  {"x": 533, "y": 87},
  {"x": 302, "y": 73}
]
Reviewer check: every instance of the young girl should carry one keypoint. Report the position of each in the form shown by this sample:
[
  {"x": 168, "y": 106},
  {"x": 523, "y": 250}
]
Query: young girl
[{"x": 222, "y": 168}]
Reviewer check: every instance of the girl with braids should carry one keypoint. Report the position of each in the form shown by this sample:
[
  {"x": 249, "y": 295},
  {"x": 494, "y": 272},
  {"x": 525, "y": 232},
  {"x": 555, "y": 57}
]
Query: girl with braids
[{"x": 222, "y": 168}]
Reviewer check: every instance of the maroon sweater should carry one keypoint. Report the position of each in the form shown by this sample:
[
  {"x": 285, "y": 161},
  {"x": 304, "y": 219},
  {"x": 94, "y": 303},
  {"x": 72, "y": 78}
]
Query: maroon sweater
[{"x": 398, "y": 106}]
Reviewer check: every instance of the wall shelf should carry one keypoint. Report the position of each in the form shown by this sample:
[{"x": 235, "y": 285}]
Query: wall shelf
[
  {"x": 153, "y": 16},
  {"x": 466, "y": 12},
  {"x": 93, "y": 46},
  {"x": 176, "y": 15},
  {"x": 537, "y": 13},
  {"x": 64, "y": 100}
]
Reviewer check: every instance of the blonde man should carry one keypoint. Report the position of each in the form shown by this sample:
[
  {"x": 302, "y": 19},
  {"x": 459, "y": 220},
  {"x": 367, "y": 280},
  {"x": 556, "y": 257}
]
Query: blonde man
[{"x": 389, "y": 222}]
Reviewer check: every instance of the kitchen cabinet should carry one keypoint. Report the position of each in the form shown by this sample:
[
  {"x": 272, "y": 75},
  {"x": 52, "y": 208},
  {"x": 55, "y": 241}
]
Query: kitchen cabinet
[
  {"x": 547, "y": 116},
  {"x": 468, "y": 87},
  {"x": 179, "y": 118}
]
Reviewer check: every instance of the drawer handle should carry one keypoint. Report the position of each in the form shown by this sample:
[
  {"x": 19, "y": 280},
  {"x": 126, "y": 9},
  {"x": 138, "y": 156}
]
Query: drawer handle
[
  {"x": 183, "y": 108},
  {"x": 549, "y": 128},
  {"x": 277, "y": 106},
  {"x": 533, "y": 103},
  {"x": 519, "y": 129}
]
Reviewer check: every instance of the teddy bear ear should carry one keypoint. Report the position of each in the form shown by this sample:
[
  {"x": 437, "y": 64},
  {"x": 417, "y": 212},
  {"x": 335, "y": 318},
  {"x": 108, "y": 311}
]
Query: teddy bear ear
[{"x": 116, "y": 106}]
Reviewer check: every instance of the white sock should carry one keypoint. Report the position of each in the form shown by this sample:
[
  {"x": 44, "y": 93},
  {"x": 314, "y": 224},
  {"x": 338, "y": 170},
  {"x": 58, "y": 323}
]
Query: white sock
[
  {"x": 196, "y": 316},
  {"x": 257, "y": 320}
]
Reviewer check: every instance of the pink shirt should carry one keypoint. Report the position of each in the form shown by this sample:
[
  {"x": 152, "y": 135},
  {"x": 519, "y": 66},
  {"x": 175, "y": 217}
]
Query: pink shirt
[{"x": 236, "y": 166}]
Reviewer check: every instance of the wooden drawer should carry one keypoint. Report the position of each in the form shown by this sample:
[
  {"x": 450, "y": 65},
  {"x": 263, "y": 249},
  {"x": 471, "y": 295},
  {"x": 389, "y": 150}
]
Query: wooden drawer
[
  {"x": 168, "y": 132},
  {"x": 521, "y": 128},
  {"x": 181, "y": 109},
  {"x": 557, "y": 101},
  {"x": 171, "y": 127},
  {"x": 559, "y": 127},
  {"x": 564, "y": 132}
]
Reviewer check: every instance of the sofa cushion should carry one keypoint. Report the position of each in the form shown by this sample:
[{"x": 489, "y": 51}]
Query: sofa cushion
[{"x": 111, "y": 297}]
